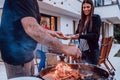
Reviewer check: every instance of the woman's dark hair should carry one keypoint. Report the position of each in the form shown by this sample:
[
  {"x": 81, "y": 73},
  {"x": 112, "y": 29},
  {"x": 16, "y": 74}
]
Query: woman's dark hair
[{"x": 83, "y": 17}]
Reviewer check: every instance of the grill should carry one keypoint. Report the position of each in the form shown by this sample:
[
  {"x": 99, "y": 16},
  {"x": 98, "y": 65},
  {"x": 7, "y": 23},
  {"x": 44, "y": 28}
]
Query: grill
[{"x": 84, "y": 72}]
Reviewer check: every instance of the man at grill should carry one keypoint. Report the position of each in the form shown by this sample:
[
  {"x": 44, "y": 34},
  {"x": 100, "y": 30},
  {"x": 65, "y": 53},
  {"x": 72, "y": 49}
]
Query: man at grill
[{"x": 20, "y": 32}]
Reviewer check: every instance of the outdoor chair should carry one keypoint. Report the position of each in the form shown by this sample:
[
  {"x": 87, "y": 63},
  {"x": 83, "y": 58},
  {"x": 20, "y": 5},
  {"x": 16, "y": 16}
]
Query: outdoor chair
[{"x": 104, "y": 53}]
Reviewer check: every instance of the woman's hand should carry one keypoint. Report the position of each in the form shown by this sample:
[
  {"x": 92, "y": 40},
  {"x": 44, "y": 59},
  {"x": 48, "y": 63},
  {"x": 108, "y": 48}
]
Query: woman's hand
[
  {"x": 71, "y": 36},
  {"x": 76, "y": 36}
]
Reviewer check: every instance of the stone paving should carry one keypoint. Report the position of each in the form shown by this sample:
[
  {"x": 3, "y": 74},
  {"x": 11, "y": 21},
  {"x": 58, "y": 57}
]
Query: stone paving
[{"x": 114, "y": 60}]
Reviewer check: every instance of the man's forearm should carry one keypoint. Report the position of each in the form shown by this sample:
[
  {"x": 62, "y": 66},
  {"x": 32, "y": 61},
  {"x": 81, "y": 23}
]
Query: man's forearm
[{"x": 41, "y": 35}]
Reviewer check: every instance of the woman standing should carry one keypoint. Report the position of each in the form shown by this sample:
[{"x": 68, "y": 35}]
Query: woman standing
[{"x": 88, "y": 32}]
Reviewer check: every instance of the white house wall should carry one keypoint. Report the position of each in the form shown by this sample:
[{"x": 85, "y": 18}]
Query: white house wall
[
  {"x": 68, "y": 5},
  {"x": 111, "y": 30},
  {"x": 108, "y": 11},
  {"x": 66, "y": 26},
  {"x": 1, "y": 3}
]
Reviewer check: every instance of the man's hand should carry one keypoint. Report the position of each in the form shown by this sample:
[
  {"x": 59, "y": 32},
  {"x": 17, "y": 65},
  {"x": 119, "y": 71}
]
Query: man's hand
[
  {"x": 57, "y": 34},
  {"x": 72, "y": 51},
  {"x": 76, "y": 36}
]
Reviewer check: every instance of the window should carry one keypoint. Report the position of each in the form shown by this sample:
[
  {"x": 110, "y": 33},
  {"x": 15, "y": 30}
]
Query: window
[
  {"x": 99, "y": 2},
  {"x": 51, "y": 21}
]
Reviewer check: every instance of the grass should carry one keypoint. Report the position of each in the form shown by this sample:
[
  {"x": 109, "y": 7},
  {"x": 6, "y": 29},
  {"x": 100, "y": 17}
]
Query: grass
[{"x": 117, "y": 54}]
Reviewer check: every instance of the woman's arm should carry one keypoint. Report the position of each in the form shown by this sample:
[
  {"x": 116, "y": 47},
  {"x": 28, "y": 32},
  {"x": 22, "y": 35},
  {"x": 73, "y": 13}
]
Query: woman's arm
[{"x": 95, "y": 29}]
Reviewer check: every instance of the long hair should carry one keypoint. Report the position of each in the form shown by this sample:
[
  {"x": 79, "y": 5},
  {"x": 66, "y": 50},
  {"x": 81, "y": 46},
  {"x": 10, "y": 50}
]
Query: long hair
[{"x": 83, "y": 17}]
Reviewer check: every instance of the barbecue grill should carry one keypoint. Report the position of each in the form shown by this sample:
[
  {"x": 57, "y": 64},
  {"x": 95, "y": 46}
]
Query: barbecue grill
[{"x": 95, "y": 72}]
